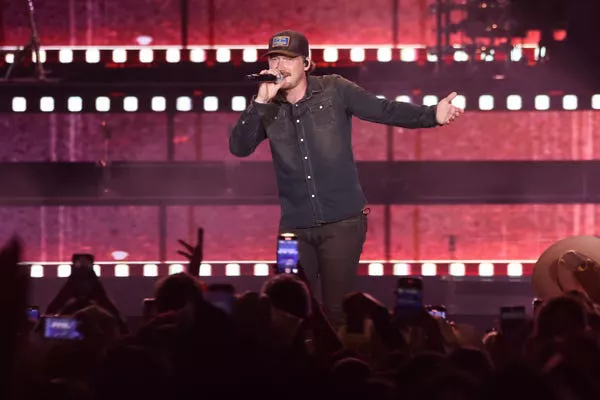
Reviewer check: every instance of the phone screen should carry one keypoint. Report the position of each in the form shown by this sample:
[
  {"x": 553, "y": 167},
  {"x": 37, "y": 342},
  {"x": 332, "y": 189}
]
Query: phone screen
[
  {"x": 512, "y": 317},
  {"x": 287, "y": 254},
  {"x": 221, "y": 296},
  {"x": 33, "y": 313},
  {"x": 434, "y": 312},
  {"x": 409, "y": 297},
  {"x": 222, "y": 300},
  {"x": 61, "y": 328},
  {"x": 149, "y": 310},
  {"x": 83, "y": 261}
]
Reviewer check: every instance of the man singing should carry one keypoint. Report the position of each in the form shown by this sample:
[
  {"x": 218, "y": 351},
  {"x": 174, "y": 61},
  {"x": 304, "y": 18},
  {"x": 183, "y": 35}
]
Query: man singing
[{"x": 307, "y": 120}]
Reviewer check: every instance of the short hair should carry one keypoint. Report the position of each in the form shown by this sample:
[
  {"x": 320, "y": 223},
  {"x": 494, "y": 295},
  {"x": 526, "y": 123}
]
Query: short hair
[
  {"x": 562, "y": 315},
  {"x": 312, "y": 68},
  {"x": 289, "y": 294},
  {"x": 177, "y": 290}
]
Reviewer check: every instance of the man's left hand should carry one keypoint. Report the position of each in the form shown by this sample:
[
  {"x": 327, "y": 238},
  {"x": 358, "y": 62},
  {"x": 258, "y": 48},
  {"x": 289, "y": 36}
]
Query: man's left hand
[{"x": 446, "y": 112}]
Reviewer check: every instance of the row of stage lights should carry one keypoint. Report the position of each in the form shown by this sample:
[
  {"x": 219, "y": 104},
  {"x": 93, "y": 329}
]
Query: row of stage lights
[
  {"x": 484, "y": 102},
  {"x": 483, "y": 269},
  {"x": 248, "y": 54}
]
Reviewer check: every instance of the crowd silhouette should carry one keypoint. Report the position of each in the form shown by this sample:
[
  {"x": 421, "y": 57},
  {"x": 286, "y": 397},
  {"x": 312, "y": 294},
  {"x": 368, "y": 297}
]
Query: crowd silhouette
[{"x": 205, "y": 341}]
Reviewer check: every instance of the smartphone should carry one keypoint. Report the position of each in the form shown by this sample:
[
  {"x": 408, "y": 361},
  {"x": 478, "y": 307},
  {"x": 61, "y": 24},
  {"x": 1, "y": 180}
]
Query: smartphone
[
  {"x": 83, "y": 277},
  {"x": 66, "y": 328},
  {"x": 221, "y": 295},
  {"x": 437, "y": 311},
  {"x": 149, "y": 310},
  {"x": 287, "y": 254},
  {"x": 409, "y": 297},
  {"x": 33, "y": 313},
  {"x": 512, "y": 317},
  {"x": 80, "y": 260}
]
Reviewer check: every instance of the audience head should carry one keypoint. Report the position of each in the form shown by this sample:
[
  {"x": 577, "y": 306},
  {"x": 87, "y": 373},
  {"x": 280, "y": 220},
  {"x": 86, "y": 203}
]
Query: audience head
[
  {"x": 289, "y": 294},
  {"x": 475, "y": 362},
  {"x": 561, "y": 316},
  {"x": 175, "y": 291},
  {"x": 95, "y": 323},
  {"x": 252, "y": 314}
]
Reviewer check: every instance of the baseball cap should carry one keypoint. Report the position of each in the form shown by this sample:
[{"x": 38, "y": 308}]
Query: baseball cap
[{"x": 288, "y": 43}]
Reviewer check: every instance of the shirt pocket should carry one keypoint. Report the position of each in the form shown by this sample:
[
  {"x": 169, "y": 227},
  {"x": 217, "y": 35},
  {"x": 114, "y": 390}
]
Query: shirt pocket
[
  {"x": 323, "y": 113},
  {"x": 278, "y": 129}
]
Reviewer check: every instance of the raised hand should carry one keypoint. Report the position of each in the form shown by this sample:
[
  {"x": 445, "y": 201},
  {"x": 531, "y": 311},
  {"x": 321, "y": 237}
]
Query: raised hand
[
  {"x": 446, "y": 112},
  {"x": 194, "y": 254}
]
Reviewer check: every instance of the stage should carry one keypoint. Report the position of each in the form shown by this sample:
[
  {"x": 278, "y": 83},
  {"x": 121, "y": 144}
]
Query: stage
[{"x": 473, "y": 292}]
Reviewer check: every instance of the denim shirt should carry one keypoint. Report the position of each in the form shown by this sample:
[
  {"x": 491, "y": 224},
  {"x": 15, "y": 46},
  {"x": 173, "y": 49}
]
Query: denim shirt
[{"x": 311, "y": 146}]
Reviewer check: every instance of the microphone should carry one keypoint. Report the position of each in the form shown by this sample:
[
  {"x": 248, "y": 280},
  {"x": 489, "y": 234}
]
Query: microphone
[{"x": 264, "y": 78}]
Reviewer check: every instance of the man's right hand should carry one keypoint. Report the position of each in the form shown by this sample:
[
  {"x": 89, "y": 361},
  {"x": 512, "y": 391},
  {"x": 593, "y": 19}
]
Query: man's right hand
[{"x": 268, "y": 90}]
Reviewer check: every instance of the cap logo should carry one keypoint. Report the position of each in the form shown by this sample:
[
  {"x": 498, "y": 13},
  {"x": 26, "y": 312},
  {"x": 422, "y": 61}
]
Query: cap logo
[{"x": 281, "y": 41}]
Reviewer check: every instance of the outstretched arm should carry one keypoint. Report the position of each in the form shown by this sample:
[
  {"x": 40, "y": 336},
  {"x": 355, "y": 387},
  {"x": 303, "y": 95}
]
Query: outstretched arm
[{"x": 369, "y": 107}]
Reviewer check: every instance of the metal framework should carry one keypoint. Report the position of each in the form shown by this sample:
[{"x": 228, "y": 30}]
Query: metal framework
[
  {"x": 207, "y": 79},
  {"x": 220, "y": 183}
]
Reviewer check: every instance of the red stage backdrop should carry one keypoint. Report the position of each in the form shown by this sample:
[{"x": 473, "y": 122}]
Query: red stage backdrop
[
  {"x": 120, "y": 22},
  {"x": 246, "y": 232}
]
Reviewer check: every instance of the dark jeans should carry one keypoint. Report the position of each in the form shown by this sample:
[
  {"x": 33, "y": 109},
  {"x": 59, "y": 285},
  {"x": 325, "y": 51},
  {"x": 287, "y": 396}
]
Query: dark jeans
[{"x": 329, "y": 256}]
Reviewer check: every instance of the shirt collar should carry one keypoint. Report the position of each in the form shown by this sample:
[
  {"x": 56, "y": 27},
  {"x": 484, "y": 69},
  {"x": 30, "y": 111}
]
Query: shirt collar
[{"x": 314, "y": 85}]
